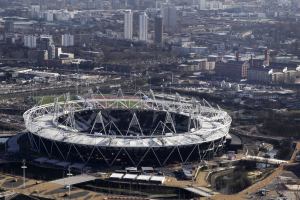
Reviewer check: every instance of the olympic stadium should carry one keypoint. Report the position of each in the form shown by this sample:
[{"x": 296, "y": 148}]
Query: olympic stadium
[{"x": 137, "y": 130}]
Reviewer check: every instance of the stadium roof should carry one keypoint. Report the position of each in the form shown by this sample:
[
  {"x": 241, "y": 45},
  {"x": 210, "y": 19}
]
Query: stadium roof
[{"x": 213, "y": 124}]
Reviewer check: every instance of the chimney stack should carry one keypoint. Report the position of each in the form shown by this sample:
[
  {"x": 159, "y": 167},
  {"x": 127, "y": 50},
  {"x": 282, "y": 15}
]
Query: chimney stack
[
  {"x": 267, "y": 58},
  {"x": 251, "y": 61},
  {"x": 237, "y": 56}
]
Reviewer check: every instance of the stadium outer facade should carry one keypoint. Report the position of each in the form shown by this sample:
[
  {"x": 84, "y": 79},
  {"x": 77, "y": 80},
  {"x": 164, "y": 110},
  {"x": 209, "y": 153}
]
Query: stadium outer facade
[{"x": 134, "y": 131}]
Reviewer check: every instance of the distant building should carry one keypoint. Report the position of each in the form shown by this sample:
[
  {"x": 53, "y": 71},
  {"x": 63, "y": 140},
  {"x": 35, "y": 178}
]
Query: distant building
[
  {"x": 128, "y": 23},
  {"x": 189, "y": 47},
  {"x": 30, "y": 41},
  {"x": 215, "y": 5},
  {"x": 143, "y": 26},
  {"x": 278, "y": 77},
  {"x": 158, "y": 30},
  {"x": 169, "y": 14},
  {"x": 38, "y": 56},
  {"x": 116, "y": 4},
  {"x": 197, "y": 65},
  {"x": 267, "y": 58},
  {"x": 67, "y": 40},
  {"x": 202, "y": 65},
  {"x": 260, "y": 75},
  {"x": 24, "y": 26},
  {"x": 35, "y": 11},
  {"x": 9, "y": 26},
  {"x": 63, "y": 15},
  {"x": 49, "y": 16},
  {"x": 235, "y": 70},
  {"x": 285, "y": 76},
  {"x": 291, "y": 76},
  {"x": 202, "y": 4},
  {"x": 46, "y": 43},
  {"x": 51, "y": 51},
  {"x": 96, "y": 56},
  {"x": 58, "y": 51}
]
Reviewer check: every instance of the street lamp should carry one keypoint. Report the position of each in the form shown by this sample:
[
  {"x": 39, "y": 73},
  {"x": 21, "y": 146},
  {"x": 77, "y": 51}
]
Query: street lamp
[
  {"x": 24, "y": 167},
  {"x": 69, "y": 174}
]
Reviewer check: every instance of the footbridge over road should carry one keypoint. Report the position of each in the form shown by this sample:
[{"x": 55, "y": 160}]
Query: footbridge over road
[{"x": 73, "y": 180}]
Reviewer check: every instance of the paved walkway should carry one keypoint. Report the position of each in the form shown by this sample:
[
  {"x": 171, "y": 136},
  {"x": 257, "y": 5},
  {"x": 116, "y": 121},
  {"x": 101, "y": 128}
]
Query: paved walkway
[
  {"x": 82, "y": 178},
  {"x": 50, "y": 189}
]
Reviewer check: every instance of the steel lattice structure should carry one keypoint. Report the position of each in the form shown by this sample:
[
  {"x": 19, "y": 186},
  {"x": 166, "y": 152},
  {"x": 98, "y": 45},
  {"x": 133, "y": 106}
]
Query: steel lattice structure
[{"x": 136, "y": 130}]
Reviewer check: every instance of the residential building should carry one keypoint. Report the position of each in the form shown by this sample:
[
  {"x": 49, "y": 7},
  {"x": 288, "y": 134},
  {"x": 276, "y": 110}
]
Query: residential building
[
  {"x": 128, "y": 23},
  {"x": 143, "y": 26}
]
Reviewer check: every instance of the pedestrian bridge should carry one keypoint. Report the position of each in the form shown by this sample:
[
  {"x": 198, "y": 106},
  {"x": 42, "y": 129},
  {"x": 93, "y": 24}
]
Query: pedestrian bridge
[{"x": 264, "y": 160}]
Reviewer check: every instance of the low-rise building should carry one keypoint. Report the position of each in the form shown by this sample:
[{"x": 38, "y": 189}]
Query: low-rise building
[
  {"x": 260, "y": 74},
  {"x": 235, "y": 70}
]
